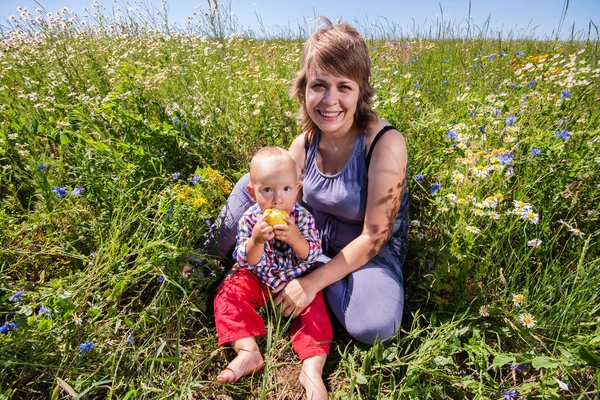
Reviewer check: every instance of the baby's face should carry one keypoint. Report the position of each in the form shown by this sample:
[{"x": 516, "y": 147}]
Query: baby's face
[{"x": 274, "y": 186}]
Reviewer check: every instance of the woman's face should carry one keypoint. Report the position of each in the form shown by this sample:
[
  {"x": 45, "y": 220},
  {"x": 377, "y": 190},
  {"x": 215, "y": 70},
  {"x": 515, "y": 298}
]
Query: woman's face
[{"x": 331, "y": 101}]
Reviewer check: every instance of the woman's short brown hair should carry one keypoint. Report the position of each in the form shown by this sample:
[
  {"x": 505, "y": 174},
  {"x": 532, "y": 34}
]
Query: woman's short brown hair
[{"x": 339, "y": 50}]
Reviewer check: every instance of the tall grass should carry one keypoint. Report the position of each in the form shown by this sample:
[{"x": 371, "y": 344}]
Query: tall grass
[{"x": 120, "y": 139}]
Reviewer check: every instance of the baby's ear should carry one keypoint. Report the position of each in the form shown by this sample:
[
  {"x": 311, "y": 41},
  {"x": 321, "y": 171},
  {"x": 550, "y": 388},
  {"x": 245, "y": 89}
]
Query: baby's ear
[
  {"x": 251, "y": 191},
  {"x": 298, "y": 186}
]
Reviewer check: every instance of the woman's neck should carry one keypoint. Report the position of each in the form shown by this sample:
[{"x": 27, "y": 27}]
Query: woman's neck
[{"x": 338, "y": 142}]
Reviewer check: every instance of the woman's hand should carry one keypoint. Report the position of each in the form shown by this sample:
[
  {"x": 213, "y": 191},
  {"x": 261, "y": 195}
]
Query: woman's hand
[{"x": 294, "y": 296}]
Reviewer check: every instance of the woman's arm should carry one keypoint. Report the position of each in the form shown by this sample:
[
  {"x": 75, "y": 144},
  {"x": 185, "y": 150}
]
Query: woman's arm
[{"x": 387, "y": 174}]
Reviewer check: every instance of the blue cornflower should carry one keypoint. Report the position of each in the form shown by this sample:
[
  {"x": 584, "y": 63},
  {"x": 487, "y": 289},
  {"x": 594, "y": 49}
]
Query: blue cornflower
[
  {"x": 196, "y": 180},
  {"x": 515, "y": 85},
  {"x": 510, "y": 395},
  {"x": 505, "y": 159},
  {"x": 418, "y": 85},
  {"x": 131, "y": 339},
  {"x": 184, "y": 124},
  {"x": 496, "y": 111},
  {"x": 208, "y": 223},
  {"x": 532, "y": 83},
  {"x": 170, "y": 211},
  {"x": 16, "y": 296},
  {"x": 405, "y": 47},
  {"x": 492, "y": 56},
  {"x": 175, "y": 176},
  {"x": 160, "y": 279},
  {"x": 412, "y": 60},
  {"x": 517, "y": 367},
  {"x": 419, "y": 177},
  {"x": 85, "y": 347},
  {"x": 502, "y": 53},
  {"x": 520, "y": 53},
  {"x": 565, "y": 93},
  {"x": 375, "y": 48},
  {"x": 60, "y": 191},
  {"x": 43, "y": 310},
  {"x": 394, "y": 44},
  {"x": 474, "y": 66},
  {"x": 77, "y": 191},
  {"x": 42, "y": 167},
  {"x": 510, "y": 120},
  {"x": 535, "y": 152},
  {"x": 563, "y": 134},
  {"x": 452, "y": 135},
  {"x": 435, "y": 187},
  {"x": 472, "y": 114},
  {"x": 12, "y": 325},
  {"x": 444, "y": 61},
  {"x": 176, "y": 120},
  {"x": 482, "y": 129},
  {"x": 3, "y": 329}
]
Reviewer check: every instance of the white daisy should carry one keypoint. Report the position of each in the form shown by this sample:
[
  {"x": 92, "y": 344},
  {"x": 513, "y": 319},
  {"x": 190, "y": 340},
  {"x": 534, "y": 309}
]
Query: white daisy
[
  {"x": 472, "y": 229},
  {"x": 484, "y": 311},
  {"x": 527, "y": 320},
  {"x": 534, "y": 243}
]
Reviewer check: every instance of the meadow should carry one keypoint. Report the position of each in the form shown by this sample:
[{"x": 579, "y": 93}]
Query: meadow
[{"x": 120, "y": 140}]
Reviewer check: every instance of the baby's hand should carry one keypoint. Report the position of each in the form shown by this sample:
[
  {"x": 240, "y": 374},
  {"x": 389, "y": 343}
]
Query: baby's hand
[
  {"x": 287, "y": 233},
  {"x": 262, "y": 232}
]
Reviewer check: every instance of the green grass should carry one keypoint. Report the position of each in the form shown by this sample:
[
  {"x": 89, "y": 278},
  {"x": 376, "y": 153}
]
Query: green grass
[{"x": 132, "y": 115}]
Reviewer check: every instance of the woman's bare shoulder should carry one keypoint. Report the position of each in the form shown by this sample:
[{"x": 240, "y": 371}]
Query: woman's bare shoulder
[
  {"x": 298, "y": 144},
  {"x": 298, "y": 150},
  {"x": 392, "y": 138}
]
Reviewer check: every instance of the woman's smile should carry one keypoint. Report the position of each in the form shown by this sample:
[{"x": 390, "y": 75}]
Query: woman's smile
[{"x": 329, "y": 115}]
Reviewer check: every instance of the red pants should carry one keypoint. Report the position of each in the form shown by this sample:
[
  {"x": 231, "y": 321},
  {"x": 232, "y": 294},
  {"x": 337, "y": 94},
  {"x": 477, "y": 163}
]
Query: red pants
[{"x": 236, "y": 318}]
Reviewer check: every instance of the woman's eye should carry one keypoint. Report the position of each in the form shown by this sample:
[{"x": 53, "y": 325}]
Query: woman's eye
[
  {"x": 345, "y": 87},
  {"x": 318, "y": 85}
]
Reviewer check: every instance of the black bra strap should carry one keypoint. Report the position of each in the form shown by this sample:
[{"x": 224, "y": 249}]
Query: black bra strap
[
  {"x": 377, "y": 137},
  {"x": 306, "y": 145}
]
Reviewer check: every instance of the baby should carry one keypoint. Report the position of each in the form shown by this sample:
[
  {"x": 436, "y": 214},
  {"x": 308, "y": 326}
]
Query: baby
[{"x": 270, "y": 256}]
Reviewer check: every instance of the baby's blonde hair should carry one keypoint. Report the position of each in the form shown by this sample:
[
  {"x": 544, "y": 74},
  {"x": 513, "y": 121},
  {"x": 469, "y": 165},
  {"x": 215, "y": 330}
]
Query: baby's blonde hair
[{"x": 277, "y": 156}]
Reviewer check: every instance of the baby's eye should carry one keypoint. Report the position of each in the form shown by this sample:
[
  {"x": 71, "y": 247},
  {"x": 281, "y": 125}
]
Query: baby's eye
[
  {"x": 287, "y": 188},
  {"x": 267, "y": 190}
]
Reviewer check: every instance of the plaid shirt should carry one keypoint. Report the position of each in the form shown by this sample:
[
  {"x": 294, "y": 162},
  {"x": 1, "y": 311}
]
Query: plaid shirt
[{"x": 278, "y": 263}]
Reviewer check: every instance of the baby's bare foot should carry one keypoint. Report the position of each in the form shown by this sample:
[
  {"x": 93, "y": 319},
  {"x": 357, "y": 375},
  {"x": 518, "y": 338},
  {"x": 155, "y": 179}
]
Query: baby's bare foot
[
  {"x": 245, "y": 363},
  {"x": 310, "y": 378}
]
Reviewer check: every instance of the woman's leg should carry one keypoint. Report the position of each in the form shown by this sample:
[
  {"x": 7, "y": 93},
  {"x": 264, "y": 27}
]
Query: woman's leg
[
  {"x": 222, "y": 235},
  {"x": 369, "y": 302}
]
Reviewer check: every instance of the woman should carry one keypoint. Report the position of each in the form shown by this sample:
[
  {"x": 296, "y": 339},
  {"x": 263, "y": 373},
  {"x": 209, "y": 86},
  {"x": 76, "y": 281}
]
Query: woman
[{"x": 354, "y": 167}]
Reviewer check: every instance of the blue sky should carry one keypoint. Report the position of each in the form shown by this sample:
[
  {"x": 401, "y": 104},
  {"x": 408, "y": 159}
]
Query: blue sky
[{"x": 505, "y": 15}]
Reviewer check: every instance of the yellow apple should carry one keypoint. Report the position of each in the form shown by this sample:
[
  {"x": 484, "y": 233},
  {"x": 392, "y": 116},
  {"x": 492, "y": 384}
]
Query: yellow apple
[{"x": 276, "y": 217}]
